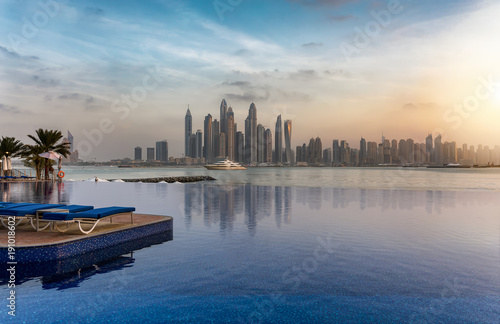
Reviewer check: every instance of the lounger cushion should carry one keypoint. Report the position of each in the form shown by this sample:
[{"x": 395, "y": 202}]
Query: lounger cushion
[
  {"x": 76, "y": 208},
  {"x": 95, "y": 213},
  {"x": 26, "y": 210},
  {"x": 12, "y": 205},
  {"x": 6, "y": 204}
]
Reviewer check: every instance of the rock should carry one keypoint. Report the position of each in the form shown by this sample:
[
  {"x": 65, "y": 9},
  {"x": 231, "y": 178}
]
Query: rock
[{"x": 172, "y": 179}]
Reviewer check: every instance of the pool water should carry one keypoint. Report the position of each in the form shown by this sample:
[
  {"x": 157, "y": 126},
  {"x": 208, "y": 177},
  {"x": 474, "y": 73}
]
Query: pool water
[{"x": 277, "y": 254}]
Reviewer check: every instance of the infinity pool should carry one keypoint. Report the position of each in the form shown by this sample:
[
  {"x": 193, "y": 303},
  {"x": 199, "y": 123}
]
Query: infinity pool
[{"x": 252, "y": 254}]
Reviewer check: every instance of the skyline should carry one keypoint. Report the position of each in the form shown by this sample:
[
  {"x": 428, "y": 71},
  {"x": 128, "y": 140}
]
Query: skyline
[
  {"x": 255, "y": 146},
  {"x": 421, "y": 64}
]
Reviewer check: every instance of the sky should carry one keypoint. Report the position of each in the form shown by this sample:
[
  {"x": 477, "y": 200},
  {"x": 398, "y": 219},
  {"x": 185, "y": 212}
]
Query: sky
[{"x": 121, "y": 74}]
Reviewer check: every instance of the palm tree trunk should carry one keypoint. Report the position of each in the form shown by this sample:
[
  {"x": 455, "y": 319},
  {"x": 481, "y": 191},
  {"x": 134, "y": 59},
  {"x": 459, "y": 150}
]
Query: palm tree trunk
[{"x": 46, "y": 171}]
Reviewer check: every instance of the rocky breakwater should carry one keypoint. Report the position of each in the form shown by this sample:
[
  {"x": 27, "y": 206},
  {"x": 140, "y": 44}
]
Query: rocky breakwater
[{"x": 172, "y": 179}]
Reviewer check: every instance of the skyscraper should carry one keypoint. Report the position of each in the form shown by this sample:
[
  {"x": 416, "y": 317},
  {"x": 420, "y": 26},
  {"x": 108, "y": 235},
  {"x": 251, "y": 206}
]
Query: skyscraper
[
  {"x": 403, "y": 152},
  {"x": 188, "y": 129},
  {"x": 223, "y": 116},
  {"x": 251, "y": 134},
  {"x": 215, "y": 138},
  {"x": 231, "y": 133},
  {"x": 138, "y": 153},
  {"x": 70, "y": 140},
  {"x": 345, "y": 152},
  {"x": 278, "y": 141},
  {"x": 362, "y": 151},
  {"x": 192, "y": 145},
  {"x": 207, "y": 149},
  {"x": 336, "y": 152},
  {"x": 411, "y": 150},
  {"x": 394, "y": 151},
  {"x": 260, "y": 143},
  {"x": 429, "y": 149},
  {"x": 327, "y": 156},
  {"x": 150, "y": 154},
  {"x": 239, "y": 153},
  {"x": 288, "y": 141},
  {"x": 162, "y": 151},
  {"x": 438, "y": 150},
  {"x": 387, "y": 151},
  {"x": 222, "y": 145},
  {"x": 371, "y": 153},
  {"x": 199, "y": 144},
  {"x": 268, "y": 149},
  {"x": 318, "y": 150}
]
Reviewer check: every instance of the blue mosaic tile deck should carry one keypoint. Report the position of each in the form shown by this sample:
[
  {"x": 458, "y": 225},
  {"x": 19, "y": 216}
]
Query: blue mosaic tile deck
[{"x": 86, "y": 244}]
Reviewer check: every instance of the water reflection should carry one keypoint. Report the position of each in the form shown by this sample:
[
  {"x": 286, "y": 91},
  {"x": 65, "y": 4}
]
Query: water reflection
[
  {"x": 223, "y": 205},
  {"x": 38, "y": 192},
  {"x": 70, "y": 272}
]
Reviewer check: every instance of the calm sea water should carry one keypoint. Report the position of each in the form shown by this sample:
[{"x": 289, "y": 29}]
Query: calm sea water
[
  {"x": 366, "y": 178},
  {"x": 284, "y": 245}
]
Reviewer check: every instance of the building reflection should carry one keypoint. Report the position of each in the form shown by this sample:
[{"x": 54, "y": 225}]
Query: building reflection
[
  {"x": 223, "y": 205},
  {"x": 34, "y": 191},
  {"x": 71, "y": 272}
]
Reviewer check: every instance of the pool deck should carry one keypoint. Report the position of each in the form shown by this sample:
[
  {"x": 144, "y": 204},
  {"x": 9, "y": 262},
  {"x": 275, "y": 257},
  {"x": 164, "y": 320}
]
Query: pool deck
[
  {"x": 32, "y": 246},
  {"x": 26, "y": 236}
]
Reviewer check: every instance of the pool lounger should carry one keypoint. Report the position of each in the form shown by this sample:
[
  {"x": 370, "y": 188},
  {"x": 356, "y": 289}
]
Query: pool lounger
[
  {"x": 22, "y": 212},
  {"x": 91, "y": 217},
  {"x": 63, "y": 209}
]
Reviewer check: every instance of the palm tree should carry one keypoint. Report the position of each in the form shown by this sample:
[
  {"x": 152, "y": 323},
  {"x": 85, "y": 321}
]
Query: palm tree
[
  {"x": 33, "y": 159},
  {"x": 47, "y": 140},
  {"x": 11, "y": 147}
]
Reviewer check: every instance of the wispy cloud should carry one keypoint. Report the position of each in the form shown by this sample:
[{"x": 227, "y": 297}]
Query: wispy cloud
[
  {"x": 9, "y": 109},
  {"x": 312, "y": 45},
  {"x": 334, "y": 3},
  {"x": 14, "y": 55},
  {"x": 340, "y": 18}
]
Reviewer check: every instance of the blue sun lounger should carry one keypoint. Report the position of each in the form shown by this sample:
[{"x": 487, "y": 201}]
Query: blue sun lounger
[
  {"x": 91, "y": 217},
  {"x": 33, "y": 211},
  {"x": 63, "y": 209},
  {"x": 23, "y": 211}
]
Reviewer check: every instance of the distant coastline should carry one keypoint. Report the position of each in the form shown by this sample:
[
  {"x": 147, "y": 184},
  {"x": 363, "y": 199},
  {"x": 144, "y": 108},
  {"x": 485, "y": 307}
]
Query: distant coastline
[{"x": 194, "y": 166}]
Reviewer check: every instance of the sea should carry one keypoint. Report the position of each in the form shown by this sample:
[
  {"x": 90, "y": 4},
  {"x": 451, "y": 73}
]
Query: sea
[{"x": 278, "y": 245}]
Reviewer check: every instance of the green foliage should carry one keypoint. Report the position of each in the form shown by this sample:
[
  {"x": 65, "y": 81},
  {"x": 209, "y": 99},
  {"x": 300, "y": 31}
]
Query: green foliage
[
  {"x": 11, "y": 146},
  {"x": 46, "y": 140}
]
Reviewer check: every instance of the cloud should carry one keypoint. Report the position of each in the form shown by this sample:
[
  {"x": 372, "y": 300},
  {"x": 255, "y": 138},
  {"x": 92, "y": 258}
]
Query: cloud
[
  {"x": 418, "y": 106},
  {"x": 247, "y": 96},
  {"x": 312, "y": 45},
  {"x": 15, "y": 55},
  {"x": 320, "y": 3},
  {"x": 70, "y": 96},
  {"x": 304, "y": 74},
  {"x": 9, "y": 109},
  {"x": 241, "y": 84},
  {"x": 243, "y": 52},
  {"x": 94, "y": 11},
  {"x": 88, "y": 101},
  {"x": 249, "y": 92},
  {"x": 340, "y": 18},
  {"x": 45, "y": 83}
]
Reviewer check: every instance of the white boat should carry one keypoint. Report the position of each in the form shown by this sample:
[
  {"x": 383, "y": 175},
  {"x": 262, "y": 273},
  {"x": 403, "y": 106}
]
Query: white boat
[{"x": 225, "y": 165}]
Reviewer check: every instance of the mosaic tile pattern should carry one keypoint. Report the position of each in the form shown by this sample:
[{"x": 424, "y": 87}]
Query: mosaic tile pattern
[{"x": 86, "y": 244}]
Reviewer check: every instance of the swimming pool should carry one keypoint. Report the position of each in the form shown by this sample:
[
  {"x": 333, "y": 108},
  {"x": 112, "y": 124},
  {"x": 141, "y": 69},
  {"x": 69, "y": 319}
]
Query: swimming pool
[{"x": 247, "y": 253}]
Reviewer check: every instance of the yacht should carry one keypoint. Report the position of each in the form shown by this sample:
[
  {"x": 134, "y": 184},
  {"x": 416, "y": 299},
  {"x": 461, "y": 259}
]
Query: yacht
[{"x": 225, "y": 165}]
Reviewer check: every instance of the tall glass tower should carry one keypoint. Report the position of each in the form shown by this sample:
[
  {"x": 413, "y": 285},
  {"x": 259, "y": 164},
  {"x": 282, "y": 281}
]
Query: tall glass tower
[
  {"x": 288, "y": 141},
  {"x": 188, "y": 130},
  {"x": 251, "y": 134},
  {"x": 207, "y": 149},
  {"x": 278, "y": 141}
]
